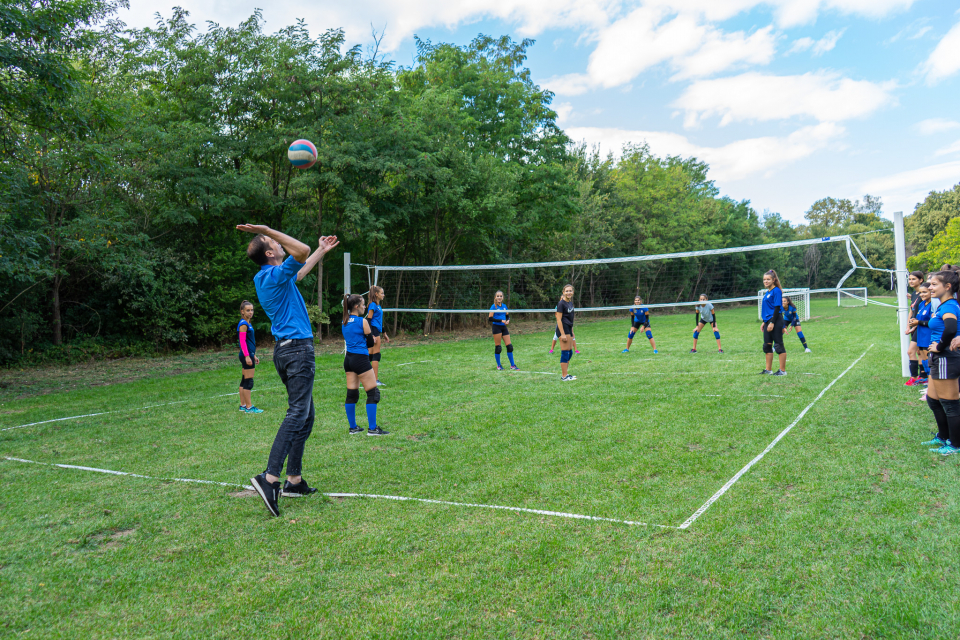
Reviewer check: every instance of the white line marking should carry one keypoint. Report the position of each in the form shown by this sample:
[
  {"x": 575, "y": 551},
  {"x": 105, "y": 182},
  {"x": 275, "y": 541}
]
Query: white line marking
[
  {"x": 764, "y": 395},
  {"x": 706, "y": 505},
  {"x": 546, "y": 373},
  {"x": 557, "y": 514},
  {"x": 416, "y": 362}
]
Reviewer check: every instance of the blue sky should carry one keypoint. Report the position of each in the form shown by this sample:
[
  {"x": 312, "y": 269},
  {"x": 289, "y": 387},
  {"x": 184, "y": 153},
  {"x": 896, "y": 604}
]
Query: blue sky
[{"x": 788, "y": 101}]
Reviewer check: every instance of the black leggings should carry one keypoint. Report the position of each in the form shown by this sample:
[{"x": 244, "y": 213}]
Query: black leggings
[{"x": 773, "y": 340}]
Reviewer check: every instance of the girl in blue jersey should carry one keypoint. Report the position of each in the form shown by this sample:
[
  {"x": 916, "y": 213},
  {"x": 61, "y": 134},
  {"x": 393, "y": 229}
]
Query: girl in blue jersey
[
  {"x": 499, "y": 319},
  {"x": 248, "y": 356},
  {"x": 791, "y": 320},
  {"x": 919, "y": 328},
  {"x": 375, "y": 320},
  {"x": 771, "y": 308},
  {"x": 564, "y": 315},
  {"x": 943, "y": 394},
  {"x": 705, "y": 314},
  {"x": 915, "y": 279},
  {"x": 358, "y": 339},
  {"x": 639, "y": 319}
]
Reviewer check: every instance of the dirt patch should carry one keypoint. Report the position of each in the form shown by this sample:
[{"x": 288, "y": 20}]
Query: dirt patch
[{"x": 245, "y": 493}]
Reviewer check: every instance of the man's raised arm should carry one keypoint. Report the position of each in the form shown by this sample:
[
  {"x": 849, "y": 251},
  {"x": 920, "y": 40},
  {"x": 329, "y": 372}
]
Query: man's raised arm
[
  {"x": 298, "y": 250},
  {"x": 325, "y": 244}
]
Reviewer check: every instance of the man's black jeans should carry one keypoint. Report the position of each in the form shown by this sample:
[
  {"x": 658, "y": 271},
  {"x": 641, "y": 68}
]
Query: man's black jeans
[{"x": 296, "y": 364}]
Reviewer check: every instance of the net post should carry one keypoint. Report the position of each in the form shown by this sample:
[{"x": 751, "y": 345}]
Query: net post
[
  {"x": 903, "y": 300},
  {"x": 346, "y": 273}
]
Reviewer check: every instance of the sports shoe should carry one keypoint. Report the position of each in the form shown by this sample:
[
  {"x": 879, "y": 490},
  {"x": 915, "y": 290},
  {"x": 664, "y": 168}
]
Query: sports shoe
[
  {"x": 625, "y": 351},
  {"x": 254, "y": 409},
  {"x": 655, "y": 351},
  {"x": 948, "y": 449},
  {"x": 719, "y": 350},
  {"x": 377, "y": 432},
  {"x": 693, "y": 350},
  {"x": 766, "y": 372},
  {"x": 514, "y": 367},
  {"x": 936, "y": 442},
  {"x": 242, "y": 409},
  {"x": 807, "y": 350},
  {"x": 380, "y": 384},
  {"x": 909, "y": 383},
  {"x": 499, "y": 368},
  {"x": 356, "y": 430},
  {"x": 269, "y": 491},
  {"x": 296, "y": 490},
  {"x": 551, "y": 350},
  {"x": 567, "y": 378},
  {"x": 577, "y": 352},
  {"x": 780, "y": 372}
]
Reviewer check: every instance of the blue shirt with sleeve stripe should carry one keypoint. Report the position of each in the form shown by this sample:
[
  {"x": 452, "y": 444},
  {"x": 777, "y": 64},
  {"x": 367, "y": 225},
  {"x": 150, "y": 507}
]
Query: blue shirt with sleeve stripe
[
  {"x": 376, "y": 320},
  {"x": 924, "y": 313},
  {"x": 354, "y": 337},
  {"x": 936, "y": 322},
  {"x": 500, "y": 313},
  {"x": 281, "y": 300},
  {"x": 771, "y": 300},
  {"x": 639, "y": 315},
  {"x": 790, "y": 314}
]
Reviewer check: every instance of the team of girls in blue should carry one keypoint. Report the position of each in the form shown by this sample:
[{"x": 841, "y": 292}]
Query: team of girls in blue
[
  {"x": 564, "y": 315},
  {"x": 705, "y": 314},
  {"x": 247, "y": 339},
  {"x": 358, "y": 337},
  {"x": 639, "y": 319},
  {"x": 791, "y": 320},
  {"x": 771, "y": 308},
  {"x": 375, "y": 320},
  {"x": 499, "y": 318},
  {"x": 943, "y": 394}
]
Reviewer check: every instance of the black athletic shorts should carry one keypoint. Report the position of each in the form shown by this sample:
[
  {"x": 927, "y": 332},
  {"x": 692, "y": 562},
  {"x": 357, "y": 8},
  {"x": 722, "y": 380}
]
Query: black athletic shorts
[
  {"x": 773, "y": 340},
  {"x": 795, "y": 323},
  {"x": 913, "y": 336},
  {"x": 945, "y": 366},
  {"x": 639, "y": 325},
  {"x": 243, "y": 362},
  {"x": 712, "y": 323},
  {"x": 556, "y": 332},
  {"x": 374, "y": 331},
  {"x": 358, "y": 363},
  {"x": 500, "y": 329}
]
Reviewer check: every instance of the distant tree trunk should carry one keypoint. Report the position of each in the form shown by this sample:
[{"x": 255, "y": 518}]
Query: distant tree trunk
[{"x": 433, "y": 298}]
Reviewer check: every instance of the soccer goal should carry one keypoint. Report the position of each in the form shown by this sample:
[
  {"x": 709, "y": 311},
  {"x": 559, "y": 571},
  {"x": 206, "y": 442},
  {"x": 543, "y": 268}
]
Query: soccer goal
[
  {"x": 799, "y": 297},
  {"x": 852, "y": 297}
]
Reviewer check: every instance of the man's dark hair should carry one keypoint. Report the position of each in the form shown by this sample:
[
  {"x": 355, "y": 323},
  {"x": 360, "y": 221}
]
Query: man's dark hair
[{"x": 257, "y": 249}]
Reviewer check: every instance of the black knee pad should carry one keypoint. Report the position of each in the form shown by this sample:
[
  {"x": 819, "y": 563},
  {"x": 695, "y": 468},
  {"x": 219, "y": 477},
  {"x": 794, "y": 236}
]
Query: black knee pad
[
  {"x": 373, "y": 396},
  {"x": 779, "y": 348},
  {"x": 498, "y": 350},
  {"x": 767, "y": 347},
  {"x": 375, "y": 357},
  {"x": 509, "y": 348},
  {"x": 951, "y": 407},
  {"x": 246, "y": 383},
  {"x": 352, "y": 396}
]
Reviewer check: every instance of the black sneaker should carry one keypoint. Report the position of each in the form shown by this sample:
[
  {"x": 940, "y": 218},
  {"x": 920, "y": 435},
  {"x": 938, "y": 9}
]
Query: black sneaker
[
  {"x": 377, "y": 432},
  {"x": 781, "y": 372},
  {"x": 693, "y": 350},
  {"x": 269, "y": 491},
  {"x": 766, "y": 372},
  {"x": 356, "y": 430},
  {"x": 719, "y": 350},
  {"x": 297, "y": 490}
]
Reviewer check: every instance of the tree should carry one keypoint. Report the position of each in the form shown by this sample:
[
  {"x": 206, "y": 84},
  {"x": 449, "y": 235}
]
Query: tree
[{"x": 931, "y": 217}]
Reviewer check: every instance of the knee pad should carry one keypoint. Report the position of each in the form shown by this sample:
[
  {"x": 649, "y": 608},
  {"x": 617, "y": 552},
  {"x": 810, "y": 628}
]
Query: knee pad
[
  {"x": 696, "y": 334},
  {"x": 951, "y": 407},
  {"x": 565, "y": 356},
  {"x": 631, "y": 333},
  {"x": 352, "y": 396},
  {"x": 716, "y": 334},
  {"x": 375, "y": 357},
  {"x": 778, "y": 348},
  {"x": 373, "y": 396},
  {"x": 768, "y": 347},
  {"x": 649, "y": 334},
  {"x": 509, "y": 348},
  {"x": 246, "y": 383},
  {"x": 498, "y": 350}
]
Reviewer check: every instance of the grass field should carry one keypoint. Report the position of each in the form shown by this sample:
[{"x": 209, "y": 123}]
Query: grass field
[{"x": 844, "y": 530}]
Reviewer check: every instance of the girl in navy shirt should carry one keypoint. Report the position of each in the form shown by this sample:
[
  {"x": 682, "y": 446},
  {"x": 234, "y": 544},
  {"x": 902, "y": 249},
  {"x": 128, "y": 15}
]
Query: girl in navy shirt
[
  {"x": 771, "y": 309},
  {"x": 919, "y": 328},
  {"x": 375, "y": 319},
  {"x": 248, "y": 357},
  {"x": 791, "y": 320},
  {"x": 499, "y": 319},
  {"x": 943, "y": 395},
  {"x": 564, "y": 316},
  {"x": 915, "y": 279},
  {"x": 356, "y": 363}
]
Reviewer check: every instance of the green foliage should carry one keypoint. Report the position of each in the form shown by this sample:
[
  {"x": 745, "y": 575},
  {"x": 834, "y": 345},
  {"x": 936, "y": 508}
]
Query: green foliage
[
  {"x": 943, "y": 249},
  {"x": 931, "y": 217}
]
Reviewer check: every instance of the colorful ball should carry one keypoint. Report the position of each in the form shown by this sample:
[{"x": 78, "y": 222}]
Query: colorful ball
[{"x": 302, "y": 154}]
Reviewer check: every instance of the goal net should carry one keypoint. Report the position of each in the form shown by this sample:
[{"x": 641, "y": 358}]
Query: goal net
[
  {"x": 799, "y": 297},
  {"x": 852, "y": 297},
  {"x": 726, "y": 276}
]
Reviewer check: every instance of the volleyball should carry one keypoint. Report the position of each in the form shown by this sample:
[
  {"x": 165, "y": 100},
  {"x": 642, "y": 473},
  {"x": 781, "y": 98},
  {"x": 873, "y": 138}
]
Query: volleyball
[{"x": 302, "y": 154}]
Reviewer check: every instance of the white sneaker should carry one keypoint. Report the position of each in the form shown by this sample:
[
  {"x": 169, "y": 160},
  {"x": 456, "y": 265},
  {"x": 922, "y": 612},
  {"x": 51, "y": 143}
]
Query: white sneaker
[
  {"x": 807, "y": 350},
  {"x": 567, "y": 378}
]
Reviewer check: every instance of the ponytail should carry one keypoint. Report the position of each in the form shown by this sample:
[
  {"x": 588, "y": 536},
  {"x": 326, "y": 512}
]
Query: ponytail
[
  {"x": 350, "y": 302},
  {"x": 776, "y": 279},
  {"x": 375, "y": 292}
]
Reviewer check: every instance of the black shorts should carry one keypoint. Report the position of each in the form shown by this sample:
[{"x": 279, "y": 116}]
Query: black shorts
[
  {"x": 358, "y": 363},
  {"x": 712, "y": 323},
  {"x": 773, "y": 340},
  {"x": 794, "y": 323},
  {"x": 556, "y": 332},
  {"x": 639, "y": 325},
  {"x": 374, "y": 331},
  {"x": 945, "y": 366},
  {"x": 500, "y": 329},
  {"x": 243, "y": 362},
  {"x": 913, "y": 336}
]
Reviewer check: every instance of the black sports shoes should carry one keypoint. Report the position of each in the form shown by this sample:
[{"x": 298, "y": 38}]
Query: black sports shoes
[
  {"x": 356, "y": 430},
  {"x": 377, "y": 432},
  {"x": 269, "y": 491},
  {"x": 297, "y": 490},
  {"x": 781, "y": 372},
  {"x": 766, "y": 372}
]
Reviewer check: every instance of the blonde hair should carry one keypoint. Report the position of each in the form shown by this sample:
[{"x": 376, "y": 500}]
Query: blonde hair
[{"x": 375, "y": 292}]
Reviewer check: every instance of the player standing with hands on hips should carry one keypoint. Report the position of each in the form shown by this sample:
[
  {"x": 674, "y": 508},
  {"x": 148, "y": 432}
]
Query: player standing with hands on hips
[
  {"x": 943, "y": 394},
  {"x": 564, "y": 316},
  {"x": 771, "y": 309},
  {"x": 293, "y": 356}
]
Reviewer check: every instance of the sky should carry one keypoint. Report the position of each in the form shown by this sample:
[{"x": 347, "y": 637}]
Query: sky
[{"x": 788, "y": 101}]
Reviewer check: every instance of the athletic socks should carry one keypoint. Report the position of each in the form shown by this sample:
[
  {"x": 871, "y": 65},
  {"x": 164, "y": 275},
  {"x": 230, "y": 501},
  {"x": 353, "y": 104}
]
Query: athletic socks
[
  {"x": 803, "y": 340},
  {"x": 497, "y": 356},
  {"x": 914, "y": 367},
  {"x": 351, "y": 415},
  {"x": 510, "y": 356},
  {"x": 372, "y": 417},
  {"x": 943, "y": 429}
]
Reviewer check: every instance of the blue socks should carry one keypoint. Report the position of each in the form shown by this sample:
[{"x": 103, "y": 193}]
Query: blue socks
[
  {"x": 926, "y": 366},
  {"x": 372, "y": 416},
  {"x": 497, "y": 356},
  {"x": 509, "y": 355},
  {"x": 803, "y": 340},
  {"x": 351, "y": 415}
]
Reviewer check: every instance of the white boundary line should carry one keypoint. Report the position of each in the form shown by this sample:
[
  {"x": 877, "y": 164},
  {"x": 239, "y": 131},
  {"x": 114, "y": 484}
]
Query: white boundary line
[
  {"x": 557, "y": 514},
  {"x": 415, "y": 362},
  {"x": 706, "y": 505}
]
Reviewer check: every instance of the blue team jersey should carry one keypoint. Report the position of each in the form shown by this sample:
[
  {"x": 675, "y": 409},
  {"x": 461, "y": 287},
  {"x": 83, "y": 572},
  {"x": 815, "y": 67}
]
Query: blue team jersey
[
  {"x": 639, "y": 315},
  {"x": 771, "y": 300},
  {"x": 376, "y": 320},
  {"x": 936, "y": 322},
  {"x": 354, "y": 337},
  {"x": 500, "y": 313},
  {"x": 790, "y": 314},
  {"x": 251, "y": 339},
  {"x": 924, "y": 313},
  {"x": 281, "y": 300}
]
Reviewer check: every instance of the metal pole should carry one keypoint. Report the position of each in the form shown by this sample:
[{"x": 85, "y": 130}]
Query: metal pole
[
  {"x": 903, "y": 299},
  {"x": 346, "y": 273}
]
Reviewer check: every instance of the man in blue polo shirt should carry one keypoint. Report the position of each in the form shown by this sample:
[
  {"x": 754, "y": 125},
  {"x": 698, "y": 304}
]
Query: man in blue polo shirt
[{"x": 293, "y": 356}]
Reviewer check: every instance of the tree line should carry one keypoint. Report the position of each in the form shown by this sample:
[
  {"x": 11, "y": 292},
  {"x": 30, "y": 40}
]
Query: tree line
[{"x": 127, "y": 156}]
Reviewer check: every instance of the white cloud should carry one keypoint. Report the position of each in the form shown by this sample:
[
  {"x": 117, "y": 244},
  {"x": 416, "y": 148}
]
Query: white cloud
[
  {"x": 789, "y": 13},
  {"x": 801, "y": 44},
  {"x": 817, "y": 47},
  {"x": 822, "y": 95},
  {"x": 722, "y": 51},
  {"x": 945, "y": 59},
  {"x": 564, "y": 111},
  {"x": 735, "y": 161},
  {"x": 931, "y": 126},
  {"x": 949, "y": 149},
  {"x": 903, "y": 191}
]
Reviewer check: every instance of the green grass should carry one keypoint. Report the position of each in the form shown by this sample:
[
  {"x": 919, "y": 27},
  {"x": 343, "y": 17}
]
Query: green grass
[{"x": 844, "y": 530}]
